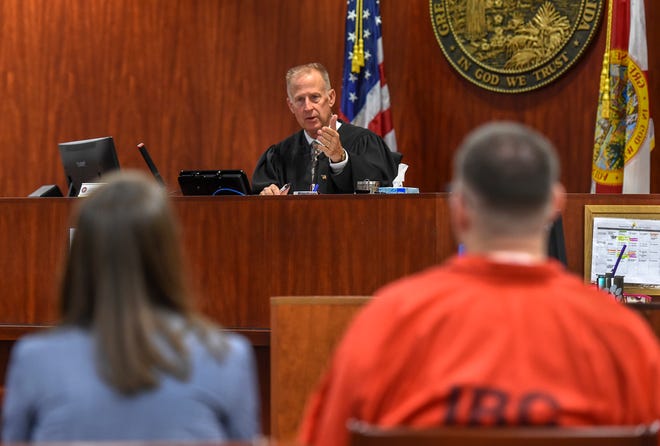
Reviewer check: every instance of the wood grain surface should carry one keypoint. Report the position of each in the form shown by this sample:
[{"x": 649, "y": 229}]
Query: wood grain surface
[
  {"x": 201, "y": 83},
  {"x": 240, "y": 251}
]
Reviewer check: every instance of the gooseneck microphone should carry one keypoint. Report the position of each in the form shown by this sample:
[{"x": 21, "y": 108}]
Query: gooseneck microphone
[{"x": 150, "y": 163}]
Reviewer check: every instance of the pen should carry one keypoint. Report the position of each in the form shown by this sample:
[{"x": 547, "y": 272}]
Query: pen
[
  {"x": 314, "y": 188},
  {"x": 618, "y": 259},
  {"x": 285, "y": 187}
]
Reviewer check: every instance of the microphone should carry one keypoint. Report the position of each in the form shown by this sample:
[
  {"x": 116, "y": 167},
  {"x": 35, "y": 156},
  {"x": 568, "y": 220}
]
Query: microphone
[{"x": 150, "y": 163}]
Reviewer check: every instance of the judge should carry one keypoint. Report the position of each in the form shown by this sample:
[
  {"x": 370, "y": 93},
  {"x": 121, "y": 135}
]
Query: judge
[{"x": 326, "y": 155}]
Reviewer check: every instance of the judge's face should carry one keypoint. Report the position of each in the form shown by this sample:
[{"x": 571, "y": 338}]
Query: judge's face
[{"x": 310, "y": 101}]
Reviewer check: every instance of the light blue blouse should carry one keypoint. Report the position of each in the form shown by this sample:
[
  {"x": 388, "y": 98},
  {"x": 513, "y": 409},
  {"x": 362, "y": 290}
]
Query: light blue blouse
[{"x": 54, "y": 393}]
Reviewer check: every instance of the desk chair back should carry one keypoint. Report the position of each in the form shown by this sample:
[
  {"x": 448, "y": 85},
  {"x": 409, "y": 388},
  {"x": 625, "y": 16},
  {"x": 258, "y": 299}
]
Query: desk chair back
[{"x": 643, "y": 435}]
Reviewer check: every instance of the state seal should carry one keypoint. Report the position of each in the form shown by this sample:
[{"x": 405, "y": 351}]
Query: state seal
[{"x": 513, "y": 46}]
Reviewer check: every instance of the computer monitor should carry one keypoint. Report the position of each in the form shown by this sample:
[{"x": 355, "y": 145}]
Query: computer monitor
[{"x": 85, "y": 161}]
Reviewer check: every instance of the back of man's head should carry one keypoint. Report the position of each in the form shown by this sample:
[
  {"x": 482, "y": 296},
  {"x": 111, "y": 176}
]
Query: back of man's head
[{"x": 505, "y": 173}]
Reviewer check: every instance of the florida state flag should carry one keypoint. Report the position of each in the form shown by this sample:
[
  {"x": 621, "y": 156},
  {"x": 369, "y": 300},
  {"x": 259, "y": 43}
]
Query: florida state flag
[{"x": 624, "y": 134}]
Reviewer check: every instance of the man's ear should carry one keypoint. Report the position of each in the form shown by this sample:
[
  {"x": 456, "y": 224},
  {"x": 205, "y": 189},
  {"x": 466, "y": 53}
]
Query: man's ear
[
  {"x": 459, "y": 213},
  {"x": 332, "y": 96},
  {"x": 290, "y": 104},
  {"x": 558, "y": 201}
]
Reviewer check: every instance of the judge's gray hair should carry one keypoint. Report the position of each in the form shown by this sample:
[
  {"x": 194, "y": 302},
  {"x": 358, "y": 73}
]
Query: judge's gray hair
[{"x": 304, "y": 69}]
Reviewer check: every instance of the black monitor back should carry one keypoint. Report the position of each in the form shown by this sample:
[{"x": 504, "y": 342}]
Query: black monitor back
[{"x": 85, "y": 161}]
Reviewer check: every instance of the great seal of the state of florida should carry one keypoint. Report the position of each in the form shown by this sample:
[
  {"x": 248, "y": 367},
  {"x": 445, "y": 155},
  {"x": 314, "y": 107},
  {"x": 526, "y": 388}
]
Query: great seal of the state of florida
[{"x": 513, "y": 46}]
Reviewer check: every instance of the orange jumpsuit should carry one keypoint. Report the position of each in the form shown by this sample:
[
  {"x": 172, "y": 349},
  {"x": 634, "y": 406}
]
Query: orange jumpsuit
[{"x": 476, "y": 342}]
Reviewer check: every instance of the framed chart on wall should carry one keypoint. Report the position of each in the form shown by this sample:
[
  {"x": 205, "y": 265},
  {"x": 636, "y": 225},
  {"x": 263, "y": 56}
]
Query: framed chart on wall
[{"x": 626, "y": 239}]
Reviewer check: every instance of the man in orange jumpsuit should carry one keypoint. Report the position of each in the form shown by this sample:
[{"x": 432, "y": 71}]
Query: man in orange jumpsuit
[{"x": 501, "y": 335}]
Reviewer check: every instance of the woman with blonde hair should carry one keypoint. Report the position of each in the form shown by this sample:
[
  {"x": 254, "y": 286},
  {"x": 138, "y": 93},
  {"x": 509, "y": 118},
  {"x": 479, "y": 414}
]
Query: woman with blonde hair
[{"x": 130, "y": 359}]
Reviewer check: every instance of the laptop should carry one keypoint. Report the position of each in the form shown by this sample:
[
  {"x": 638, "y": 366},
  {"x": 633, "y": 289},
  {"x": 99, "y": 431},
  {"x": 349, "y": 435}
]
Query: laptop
[{"x": 214, "y": 182}]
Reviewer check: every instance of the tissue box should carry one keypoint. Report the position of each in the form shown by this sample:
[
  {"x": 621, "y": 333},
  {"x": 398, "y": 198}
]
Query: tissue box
[{"x": 398, "y": 190}]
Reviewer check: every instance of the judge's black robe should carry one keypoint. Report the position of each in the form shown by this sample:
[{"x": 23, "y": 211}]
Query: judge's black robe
[{"x": 290, "y": 161}]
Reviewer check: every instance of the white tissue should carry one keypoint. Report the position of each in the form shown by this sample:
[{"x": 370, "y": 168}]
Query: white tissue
[{"x": 400, "y": 176}]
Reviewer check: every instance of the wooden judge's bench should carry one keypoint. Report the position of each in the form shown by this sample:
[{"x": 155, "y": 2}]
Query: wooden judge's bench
[{"x": 240, "y": 251}]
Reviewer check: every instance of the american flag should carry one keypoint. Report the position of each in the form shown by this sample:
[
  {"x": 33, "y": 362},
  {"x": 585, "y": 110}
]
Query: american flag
[{"x": 365, "y": 98}]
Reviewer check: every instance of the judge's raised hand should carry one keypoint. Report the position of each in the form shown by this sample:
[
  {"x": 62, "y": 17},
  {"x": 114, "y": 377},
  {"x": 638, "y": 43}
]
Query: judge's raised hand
[
  {"x": 330, "y": 143},
  {"x": 274, "y": 189}
]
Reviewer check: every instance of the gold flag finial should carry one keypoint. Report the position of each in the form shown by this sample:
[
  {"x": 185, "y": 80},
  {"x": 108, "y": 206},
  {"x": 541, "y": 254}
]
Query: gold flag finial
[{"x": 357, "y": 61}]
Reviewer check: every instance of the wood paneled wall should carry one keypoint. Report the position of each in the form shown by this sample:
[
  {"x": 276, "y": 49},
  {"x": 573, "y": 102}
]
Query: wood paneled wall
[{"x": 200, "y": 82}]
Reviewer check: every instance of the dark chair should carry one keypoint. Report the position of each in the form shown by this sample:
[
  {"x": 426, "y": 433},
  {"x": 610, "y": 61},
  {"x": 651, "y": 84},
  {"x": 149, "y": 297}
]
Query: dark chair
[
  {"x": 643, "y": 435},
  {"x": 556, "y": 242},
  {"x": 397, "y": 156}
]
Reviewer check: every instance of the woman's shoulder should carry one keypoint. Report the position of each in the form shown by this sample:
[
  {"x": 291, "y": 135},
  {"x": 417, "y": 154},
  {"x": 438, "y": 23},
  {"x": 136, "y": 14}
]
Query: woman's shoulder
[
  {"x": 226, "y": 340},
  {"x": 59, "y": 334},
  {"x": 220, "y": 353},
  {"x": 238, "y": 343},
  {"x": 50, "y": 342}
]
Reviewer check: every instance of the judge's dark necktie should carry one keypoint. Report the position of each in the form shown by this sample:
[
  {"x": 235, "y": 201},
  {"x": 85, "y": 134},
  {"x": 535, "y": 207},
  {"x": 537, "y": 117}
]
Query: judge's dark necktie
[{"x": 316, "y": 151}]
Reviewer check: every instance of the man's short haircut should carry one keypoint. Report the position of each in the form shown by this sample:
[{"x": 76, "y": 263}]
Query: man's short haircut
[
  {"x": 508, "y": 170},
  {"x": 306, "y": 68}
]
